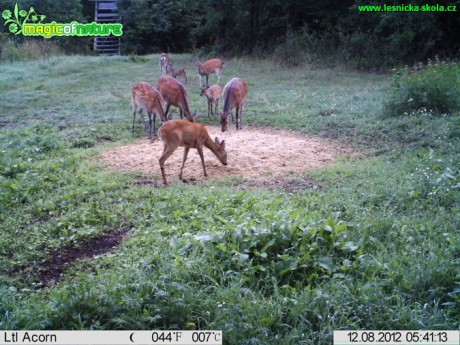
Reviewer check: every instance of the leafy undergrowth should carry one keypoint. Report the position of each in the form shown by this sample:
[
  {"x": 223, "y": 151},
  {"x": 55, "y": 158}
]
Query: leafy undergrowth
[{"x": 376, "y": 247}]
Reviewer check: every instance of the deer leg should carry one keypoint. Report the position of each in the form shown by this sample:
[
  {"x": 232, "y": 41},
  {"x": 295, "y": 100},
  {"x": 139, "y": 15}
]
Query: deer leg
[
  {"x": 150, "y": 125},
  {"x": 186, "y": 149},
  {"x": 200, "y": 152},
  {"x": 241, "y": 117},
  {"x": 207, "y": 77},
  {"x": 166, "y": 111},
  {"x": 154, "y": 125},
  {"x": 167, "y": 152},
  {"x": 134, "y": 117},
  {"x": 237, "y": 118},
  {"x": 217, "y": 107},
  {"x": 210, "y": 108}
]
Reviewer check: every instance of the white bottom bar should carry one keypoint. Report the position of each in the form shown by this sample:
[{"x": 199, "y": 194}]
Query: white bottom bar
[
  {"x": 111, "y": 337},
  {"x": 396, "y": 337}
]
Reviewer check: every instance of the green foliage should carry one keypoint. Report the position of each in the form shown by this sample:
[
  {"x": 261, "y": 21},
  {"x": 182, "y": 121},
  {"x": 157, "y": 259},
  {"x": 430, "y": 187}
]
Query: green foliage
[
  {"x": 293, "y": 252},
  {"x": 28, "y": 50},
  {"x": 435, "y": 89},
  {"x": 292, "y": 32},
  {"x": 293, "y": 50},
  {"x": 152, "y": 26}
]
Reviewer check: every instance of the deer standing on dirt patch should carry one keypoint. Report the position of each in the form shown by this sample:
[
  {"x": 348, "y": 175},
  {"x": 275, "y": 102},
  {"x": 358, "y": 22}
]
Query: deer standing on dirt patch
[
  {"x": 177, "y": 72},
  {"x": 235, "y": 93},
  {"x": 174, "y": 93},
  {"x": 209, "y": 67},
  {"x": 165, "y": 64},
  {"x": 189, "y": 135},
  {"x": 145, "y": 97},
  {"x": 212, "y": 93}
]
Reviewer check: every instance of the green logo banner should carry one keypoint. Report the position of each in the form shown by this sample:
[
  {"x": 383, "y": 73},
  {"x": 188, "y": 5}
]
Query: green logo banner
[{"x": 29, "y": 23}]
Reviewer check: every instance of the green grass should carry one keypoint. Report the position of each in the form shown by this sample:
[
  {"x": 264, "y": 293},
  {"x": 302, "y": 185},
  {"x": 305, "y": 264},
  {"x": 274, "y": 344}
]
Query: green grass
[{"x": 376, "y": 246}]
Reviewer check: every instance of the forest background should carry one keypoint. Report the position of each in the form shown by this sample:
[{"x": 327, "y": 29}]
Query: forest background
[{"x": 290, "y": 32}]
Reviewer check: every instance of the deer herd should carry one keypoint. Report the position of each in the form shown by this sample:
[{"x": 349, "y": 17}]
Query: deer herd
[{"x": 169, "y": 91}]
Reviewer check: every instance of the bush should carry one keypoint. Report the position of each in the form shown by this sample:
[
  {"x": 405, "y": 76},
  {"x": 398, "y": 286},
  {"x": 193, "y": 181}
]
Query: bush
[
  {"x": 294, "y": 49},
  {"x": 431, "y": 89},
  {"x": 27, "y": 50}
]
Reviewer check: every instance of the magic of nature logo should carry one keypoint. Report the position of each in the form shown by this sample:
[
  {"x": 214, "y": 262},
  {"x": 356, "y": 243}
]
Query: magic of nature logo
[{"x": 30, "y": 23}]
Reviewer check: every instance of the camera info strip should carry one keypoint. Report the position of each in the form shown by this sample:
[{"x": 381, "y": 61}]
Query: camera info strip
[{"x": 111, "y": 337}]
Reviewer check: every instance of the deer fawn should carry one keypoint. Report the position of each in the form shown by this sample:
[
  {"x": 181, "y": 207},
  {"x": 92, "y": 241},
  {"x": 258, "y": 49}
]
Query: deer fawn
[
  {"x": 190, "y": 135},
  {"x": 165, "y": 64},
  {"x": 174, "y": 93},
  {"x": 145, "y": 97},
  {"x": 177, "y": 72},
  {"x": 209, "y": 67},
  {"x": 213, "y": 94},
  {"x": 235, "y": 92}
]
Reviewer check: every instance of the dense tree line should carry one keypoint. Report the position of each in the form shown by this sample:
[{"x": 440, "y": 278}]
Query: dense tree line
[{"x": 291, "y": 31}]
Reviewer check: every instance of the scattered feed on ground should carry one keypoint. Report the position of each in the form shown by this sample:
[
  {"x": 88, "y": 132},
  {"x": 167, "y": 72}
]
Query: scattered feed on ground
[{"x": 261, "y": 154}]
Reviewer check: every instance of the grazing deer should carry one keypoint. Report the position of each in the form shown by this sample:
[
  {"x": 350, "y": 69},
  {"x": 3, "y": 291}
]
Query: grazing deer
[
  {"x": 190, "y": 135},
  {"x": 165, "y": 64},
  {"x": 177, "y": 72},
  {"x": 213, "y": 94},
  {"x": 145, "y": 97},
  {"x": 174, "y": 93},
  {"x": 209, "y": 67},
  {"x": 235, "y": 93}
]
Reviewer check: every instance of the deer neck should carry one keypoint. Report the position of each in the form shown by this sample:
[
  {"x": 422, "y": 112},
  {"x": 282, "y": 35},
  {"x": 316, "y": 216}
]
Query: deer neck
[{"x": 211, "y": 145}]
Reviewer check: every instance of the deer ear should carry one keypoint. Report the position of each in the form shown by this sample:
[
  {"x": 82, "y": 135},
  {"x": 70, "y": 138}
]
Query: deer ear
[
  {"x": 222, "y": 145},
  {"x": 216, "y": 140}
]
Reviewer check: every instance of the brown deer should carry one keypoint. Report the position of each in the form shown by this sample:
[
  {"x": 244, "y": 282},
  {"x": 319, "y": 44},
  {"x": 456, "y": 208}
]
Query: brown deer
[
  {"x": 235, "y": 93},
  {"x": 145, "y": 97},
  {"x": 174, "y": 93},
  {"x": 212, "y": 93},
  {"x": 190, "y": 135},
  {"x": 177, "y": 72},
  {"x": 209, "y": 67},
  {"x": 165, "y": 64}
]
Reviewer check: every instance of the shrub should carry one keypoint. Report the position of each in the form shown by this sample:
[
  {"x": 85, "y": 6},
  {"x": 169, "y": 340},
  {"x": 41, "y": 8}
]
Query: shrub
[
  {"x": 293, "y": 50},
  {"x": 27, "y": 50},
  {"x": 433, "y": 89}
]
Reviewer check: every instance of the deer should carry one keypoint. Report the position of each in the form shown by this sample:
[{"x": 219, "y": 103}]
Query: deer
[
  {"x": 145, "y": 97},
  {"x": 177, "y": 72},
  {"x": 212, "y": 93},
  {"x": 173, "y": 93},
  {"x": 165, "y": 64},
  {"x": 189, "y": 135},
  {"x": 235, "y": 93},
  {"x": 209, "y": 67}
]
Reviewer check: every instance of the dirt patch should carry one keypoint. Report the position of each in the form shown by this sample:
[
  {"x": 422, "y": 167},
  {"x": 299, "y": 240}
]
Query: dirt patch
[
  {"x": 258, "y": 155},
  {"x": 53, "y": 270}
]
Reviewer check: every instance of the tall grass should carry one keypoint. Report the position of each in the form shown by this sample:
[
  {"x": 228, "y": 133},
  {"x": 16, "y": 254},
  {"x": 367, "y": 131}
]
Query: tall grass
[
  {"x": 12, "y": 50},
  {"x": 375, "y": 247}
]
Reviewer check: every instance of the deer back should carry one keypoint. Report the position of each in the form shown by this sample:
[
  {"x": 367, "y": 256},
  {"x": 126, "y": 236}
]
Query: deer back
[
  {"x": 146, "y": 97},
  {"x": 210, "y": 66},
  {"x": 212, "y": 92},
  {"x": 235, "y": 93},
  {"x": 174, "y": 92}
]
